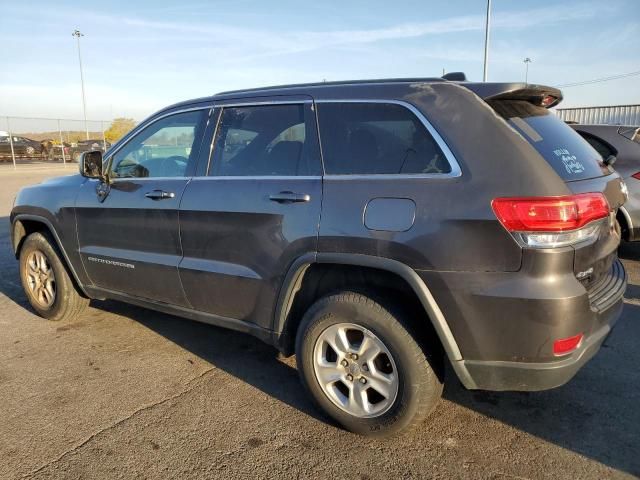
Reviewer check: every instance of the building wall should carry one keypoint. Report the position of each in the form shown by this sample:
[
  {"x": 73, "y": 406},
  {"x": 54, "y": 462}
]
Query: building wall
[{"x": 614, "y": 115}]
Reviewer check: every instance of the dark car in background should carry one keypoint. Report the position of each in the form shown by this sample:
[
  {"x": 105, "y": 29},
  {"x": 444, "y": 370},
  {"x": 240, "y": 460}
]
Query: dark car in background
[
  {"x": 22, "y": 147},
  {"x": 358, "y": 224},
  {"x": 82, "y": 146},
  {"x": 623, "y": 143}
]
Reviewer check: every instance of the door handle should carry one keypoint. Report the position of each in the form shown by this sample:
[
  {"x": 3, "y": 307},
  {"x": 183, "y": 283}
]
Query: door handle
[
  {"x": 289, "y": 197},
  {"x": 159, "y": 195}
]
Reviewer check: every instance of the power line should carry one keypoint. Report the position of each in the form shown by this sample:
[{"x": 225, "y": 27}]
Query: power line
[{"x": 599, "y": 80}]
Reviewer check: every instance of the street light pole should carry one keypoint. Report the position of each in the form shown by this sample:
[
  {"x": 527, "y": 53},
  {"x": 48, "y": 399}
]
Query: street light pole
[
  {"x": 76, "y": 33},
  {"x": 485, "y": 70},
  {"x": 526, "y": 61}
]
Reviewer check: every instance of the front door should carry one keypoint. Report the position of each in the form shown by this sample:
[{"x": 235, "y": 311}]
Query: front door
[
  {"x": 256, "y": 210},
  {"x": 128, "y": 231}
]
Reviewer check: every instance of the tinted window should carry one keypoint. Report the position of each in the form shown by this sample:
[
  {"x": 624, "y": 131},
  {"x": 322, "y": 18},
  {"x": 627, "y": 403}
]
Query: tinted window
[
  {"x": 377, "y": 138},
  {"x": 564, "y": 149},
  {"x": 162, "y": 149},
  {"x": 265, "y": 140},
  {"x": 601, "y": 147}
]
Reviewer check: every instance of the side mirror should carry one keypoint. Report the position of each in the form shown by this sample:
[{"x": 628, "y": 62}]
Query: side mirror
[{"x": 91, "y": 164}]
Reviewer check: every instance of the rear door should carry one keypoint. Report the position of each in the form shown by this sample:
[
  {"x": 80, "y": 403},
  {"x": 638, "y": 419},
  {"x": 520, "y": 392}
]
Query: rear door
[
  {"x": 254, "y": 209},
  {"x": 582, "y": 169},
  {"x": 129, "y": 239}
]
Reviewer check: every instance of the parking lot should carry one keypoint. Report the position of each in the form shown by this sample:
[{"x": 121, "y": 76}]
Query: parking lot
[{"x": 130, "y": 393}]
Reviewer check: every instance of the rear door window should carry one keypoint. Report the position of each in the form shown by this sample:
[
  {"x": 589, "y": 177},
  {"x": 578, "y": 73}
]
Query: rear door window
[
  {"x": 565, "y": 150},
  {"x": 265, "y": 140},
  {"x": 376, "y": 138}
]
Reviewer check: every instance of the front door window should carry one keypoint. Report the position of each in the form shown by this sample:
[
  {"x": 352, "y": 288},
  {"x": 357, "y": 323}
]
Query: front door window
[{"x": 163, "y": 149}]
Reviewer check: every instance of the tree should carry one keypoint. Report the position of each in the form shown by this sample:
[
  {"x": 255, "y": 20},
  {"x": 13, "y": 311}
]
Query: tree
[{"x": 118, "y": 128}]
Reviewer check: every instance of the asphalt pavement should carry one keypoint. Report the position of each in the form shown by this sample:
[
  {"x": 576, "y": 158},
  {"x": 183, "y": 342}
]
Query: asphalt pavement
[{"x": 125, "y": 392}]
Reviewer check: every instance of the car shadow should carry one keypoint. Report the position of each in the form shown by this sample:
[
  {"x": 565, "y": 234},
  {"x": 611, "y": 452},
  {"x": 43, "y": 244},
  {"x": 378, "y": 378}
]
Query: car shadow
[
  {"x": 593, "y": 415},
  {"x": 238, "y": 354}
]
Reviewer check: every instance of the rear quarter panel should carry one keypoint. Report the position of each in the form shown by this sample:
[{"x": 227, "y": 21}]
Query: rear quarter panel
[{"x": 455, "y": 228}]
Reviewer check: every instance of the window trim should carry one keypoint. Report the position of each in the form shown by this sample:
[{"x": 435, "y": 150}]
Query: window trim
[
  {"x": 236, "y": 104},
  {"x": 455, "y": 172},
  {"x": 141, "y": 127}
]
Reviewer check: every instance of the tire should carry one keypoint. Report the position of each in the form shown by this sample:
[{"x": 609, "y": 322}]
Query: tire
[
  {"x": 46, "y": 282},
  {"x": 357, "y": 317}
]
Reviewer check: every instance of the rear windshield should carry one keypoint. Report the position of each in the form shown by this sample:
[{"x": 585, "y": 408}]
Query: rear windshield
[{"x": 567, "y": 152}]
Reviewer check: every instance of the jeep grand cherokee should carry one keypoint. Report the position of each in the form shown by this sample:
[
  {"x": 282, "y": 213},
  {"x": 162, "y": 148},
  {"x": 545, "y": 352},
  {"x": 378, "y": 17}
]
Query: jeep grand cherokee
[{"x": 376, "y": 229}]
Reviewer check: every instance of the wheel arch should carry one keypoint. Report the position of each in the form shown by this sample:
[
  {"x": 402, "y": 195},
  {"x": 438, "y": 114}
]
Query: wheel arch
[
  {"x": 24, "y": 225},
  {"x": 285, "y": 324},
  {"x": 626, "y": 223}
]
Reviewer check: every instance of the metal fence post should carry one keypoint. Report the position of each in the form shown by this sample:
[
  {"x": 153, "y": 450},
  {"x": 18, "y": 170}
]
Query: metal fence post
[
  {"x": 64, "y": 160},
  {"x": 13, "y": 154},
  {"x": 104, "y": 140}
]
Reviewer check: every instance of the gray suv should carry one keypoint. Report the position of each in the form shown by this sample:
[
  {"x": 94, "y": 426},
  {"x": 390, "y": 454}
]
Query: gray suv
[{"x": 379, "y": 230}]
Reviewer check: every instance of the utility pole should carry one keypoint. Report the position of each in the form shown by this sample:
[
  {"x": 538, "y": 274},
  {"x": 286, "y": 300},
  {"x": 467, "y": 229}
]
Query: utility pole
[
  {"x": 77, "y": 33},
  {"x": 485, "y": 70},
  {"x": 526, "y": 61}
]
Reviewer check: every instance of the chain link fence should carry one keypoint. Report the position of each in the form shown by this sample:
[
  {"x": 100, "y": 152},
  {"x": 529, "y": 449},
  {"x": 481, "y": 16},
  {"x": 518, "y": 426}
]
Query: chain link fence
[{"x": 25, "y": 140}]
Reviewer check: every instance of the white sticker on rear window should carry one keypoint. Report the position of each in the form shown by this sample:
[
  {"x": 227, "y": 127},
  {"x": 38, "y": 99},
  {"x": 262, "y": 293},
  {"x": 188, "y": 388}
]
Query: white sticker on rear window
[{"x": 571, "y": 163}]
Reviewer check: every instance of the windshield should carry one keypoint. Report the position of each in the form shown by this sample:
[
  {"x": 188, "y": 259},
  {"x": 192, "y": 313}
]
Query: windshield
[{"x": 567, "y": 152}]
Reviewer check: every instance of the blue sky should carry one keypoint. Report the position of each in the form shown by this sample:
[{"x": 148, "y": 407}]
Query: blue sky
[{"x": 142, "y": 55}]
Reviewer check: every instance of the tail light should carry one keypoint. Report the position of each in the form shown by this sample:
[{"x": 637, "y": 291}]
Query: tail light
[
  {"x": 564, "y": 346},
  {"x": 636, "y": 176},
  {"x": 547, "y": 222}
]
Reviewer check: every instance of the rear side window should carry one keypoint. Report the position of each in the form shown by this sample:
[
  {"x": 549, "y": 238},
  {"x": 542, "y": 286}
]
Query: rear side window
[
  {"x": 565, "y": 150},
  {"x": 265, "y": 141},
  {"x": 376, "y": 138}
]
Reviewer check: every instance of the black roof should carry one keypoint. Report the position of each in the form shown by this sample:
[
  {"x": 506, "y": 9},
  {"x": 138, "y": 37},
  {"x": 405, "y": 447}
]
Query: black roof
[
  {"x": 485, "y": 90},
  {"x": 316, "y": 85}
]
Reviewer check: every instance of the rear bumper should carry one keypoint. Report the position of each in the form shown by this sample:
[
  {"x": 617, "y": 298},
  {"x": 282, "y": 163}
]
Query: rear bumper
[
  {"x": 520, "y": 376},
  {"x": 505, "y": 324}
]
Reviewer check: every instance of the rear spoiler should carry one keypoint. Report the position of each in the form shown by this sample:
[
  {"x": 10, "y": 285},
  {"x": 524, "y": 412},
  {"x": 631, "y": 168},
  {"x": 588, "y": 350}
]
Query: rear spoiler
[{"x": 537, "y": 94}]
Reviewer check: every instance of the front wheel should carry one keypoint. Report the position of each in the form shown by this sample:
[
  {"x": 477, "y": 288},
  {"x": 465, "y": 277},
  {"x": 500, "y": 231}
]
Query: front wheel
[
  {"x": 361, "y": 365},
  {"x": 46, "y": 282}
]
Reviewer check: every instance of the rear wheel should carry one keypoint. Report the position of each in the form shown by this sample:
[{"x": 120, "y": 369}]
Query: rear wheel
[
  {"x": 46, "y": 282},
  {"x": 362, "y": 367}
]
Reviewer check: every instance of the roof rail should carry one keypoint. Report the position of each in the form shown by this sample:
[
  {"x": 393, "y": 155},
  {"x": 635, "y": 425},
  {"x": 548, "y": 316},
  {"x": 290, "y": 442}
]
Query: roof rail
[{"x": 333, "y": 83}]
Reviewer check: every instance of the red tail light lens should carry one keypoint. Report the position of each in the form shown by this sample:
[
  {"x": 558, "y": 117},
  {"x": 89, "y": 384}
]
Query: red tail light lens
[
  {"x": 567, "y": 345},
  {"x": 636, "y": 176},
  {"x": 550, "y": 214}
]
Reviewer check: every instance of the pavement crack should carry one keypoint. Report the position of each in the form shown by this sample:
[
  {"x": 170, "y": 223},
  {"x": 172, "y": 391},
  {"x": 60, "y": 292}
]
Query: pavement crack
[{"x": 188, "y": 387}]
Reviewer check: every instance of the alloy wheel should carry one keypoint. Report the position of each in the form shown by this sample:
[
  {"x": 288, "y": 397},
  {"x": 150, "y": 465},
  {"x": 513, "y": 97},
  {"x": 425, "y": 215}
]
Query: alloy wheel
[
  {"x": 40, "y": 279},
  {"x": 355, "y": 370}
]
